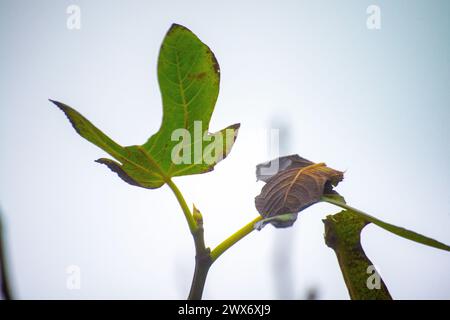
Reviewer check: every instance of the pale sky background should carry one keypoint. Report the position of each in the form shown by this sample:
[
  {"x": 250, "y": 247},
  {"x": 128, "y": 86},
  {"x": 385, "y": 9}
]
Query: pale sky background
[{"x": 375, "y": 103}]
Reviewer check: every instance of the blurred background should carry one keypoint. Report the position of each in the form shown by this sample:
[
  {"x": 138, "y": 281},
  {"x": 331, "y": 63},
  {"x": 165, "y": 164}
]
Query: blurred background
[{"x": 373, "y": 102}]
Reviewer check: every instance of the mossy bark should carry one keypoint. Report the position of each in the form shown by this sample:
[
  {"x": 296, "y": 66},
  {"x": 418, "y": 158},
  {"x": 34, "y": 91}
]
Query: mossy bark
[{"x": 343, "y": 235}]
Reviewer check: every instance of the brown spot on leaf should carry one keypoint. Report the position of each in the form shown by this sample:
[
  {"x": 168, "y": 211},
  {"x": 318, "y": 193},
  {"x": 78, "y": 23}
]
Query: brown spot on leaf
[
  {"x": 215, "y": 63},
  {"x": 197, "y": 76}
]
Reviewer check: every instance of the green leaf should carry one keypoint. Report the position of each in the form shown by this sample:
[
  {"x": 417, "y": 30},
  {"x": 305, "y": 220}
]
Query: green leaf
[
  {"x": 189, "y": 77},
  {"x": 343, "y": 235},
  {"x": 402, "y": 232}
]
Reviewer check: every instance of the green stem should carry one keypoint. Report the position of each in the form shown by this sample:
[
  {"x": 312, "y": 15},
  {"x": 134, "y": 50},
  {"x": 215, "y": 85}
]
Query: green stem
[
  {"x": 187, "y": 212},
  {"x": 199, "y": 280},
  {"x": 202, "y": 264},
  {"x": 202, "y": 254},
  {"x": 347, "y": 207},
  {"x": 402, "y": 232},
  {"x": 235, "y": 237},
  {"x": 204, "y": 258}
]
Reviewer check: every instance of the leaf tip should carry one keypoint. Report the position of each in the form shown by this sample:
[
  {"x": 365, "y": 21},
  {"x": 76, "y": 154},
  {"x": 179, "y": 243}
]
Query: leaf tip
[
  {"x": 176, "y": 26},
  {"x": 235, "y": 126},
  {"x": 63, "y": 107},
  {"x": 57, "y": 103},
  {"x": 69, "y": 112}
]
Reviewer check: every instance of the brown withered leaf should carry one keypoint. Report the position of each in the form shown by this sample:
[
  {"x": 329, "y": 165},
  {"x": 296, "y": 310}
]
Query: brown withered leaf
[{"x": 293, "y": 184}]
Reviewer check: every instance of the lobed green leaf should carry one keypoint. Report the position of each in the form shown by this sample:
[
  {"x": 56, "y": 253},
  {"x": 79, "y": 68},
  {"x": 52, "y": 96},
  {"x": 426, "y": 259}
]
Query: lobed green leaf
[{"x": 189, "y": 79}]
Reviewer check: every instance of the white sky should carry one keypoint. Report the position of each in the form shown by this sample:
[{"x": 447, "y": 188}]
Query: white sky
[{"x": 374, "y": 103}]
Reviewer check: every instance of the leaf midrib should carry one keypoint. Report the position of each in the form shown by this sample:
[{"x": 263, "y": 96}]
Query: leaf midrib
[
  {"x": 297, "y": 175},
  {"x": 183, "y": 98}
]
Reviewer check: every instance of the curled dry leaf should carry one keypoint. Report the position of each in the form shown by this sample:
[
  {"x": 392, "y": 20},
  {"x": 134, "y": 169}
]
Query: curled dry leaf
[{"x": 292, "y": 184}]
